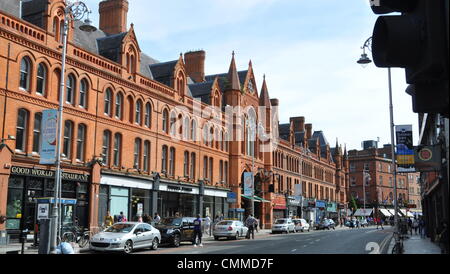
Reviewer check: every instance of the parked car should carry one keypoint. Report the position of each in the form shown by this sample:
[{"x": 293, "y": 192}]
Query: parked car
[
  {"x": 301, "y": 225},
  {"x": 176, "y": 230},
  {"x": 229, "y": 229},
  {"x": 283, "y": 225},
  {"x": 126, "y": 237},
  {"x": 326, "y": 224},
  {"x": 364, "y": 223}
]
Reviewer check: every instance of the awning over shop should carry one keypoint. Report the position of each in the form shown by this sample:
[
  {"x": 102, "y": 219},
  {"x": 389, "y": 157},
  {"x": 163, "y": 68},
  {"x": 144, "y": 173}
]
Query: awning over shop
[
  {"x": 385, "y": 212},
  {"x": 256, "y": 198},
  {"x": 407, "y": 213},
  {"x": 361, "y": 212},
  {"x": 392, "y": 211}
]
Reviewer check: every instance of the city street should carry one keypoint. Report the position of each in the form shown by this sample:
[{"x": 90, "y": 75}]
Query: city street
[{"x": 339, "y": 241}]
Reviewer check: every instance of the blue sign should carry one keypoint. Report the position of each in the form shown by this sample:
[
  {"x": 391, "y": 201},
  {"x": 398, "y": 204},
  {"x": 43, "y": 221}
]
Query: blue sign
[
  {"x": 231, "y": 197},
  {"x": 48, "y": 144},
  {"x": 321, "y": 204}
]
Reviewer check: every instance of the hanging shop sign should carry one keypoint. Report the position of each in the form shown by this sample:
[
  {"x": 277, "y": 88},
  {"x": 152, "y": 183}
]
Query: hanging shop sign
[
  {"x": 42, "y": 173},
  {"x": 47, "y": 150},
  {"x": 428, "y": 158},
  {"x": 248, "y": 184},
  {"x": 405, "y": 148}
]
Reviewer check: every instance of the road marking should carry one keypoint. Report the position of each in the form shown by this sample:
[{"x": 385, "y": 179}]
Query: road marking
[
  {"x": 305, "y": 245},
  {"x": 293, "y": 250},
  {"x": 317, "y": 240}
]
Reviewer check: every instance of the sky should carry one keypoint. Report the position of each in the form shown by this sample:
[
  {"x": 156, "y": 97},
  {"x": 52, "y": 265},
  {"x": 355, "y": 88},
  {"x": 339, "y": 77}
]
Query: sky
[{"x": 306, "y": 48}]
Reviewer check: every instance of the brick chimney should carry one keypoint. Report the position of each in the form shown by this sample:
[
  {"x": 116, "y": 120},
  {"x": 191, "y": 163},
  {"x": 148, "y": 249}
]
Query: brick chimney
[
  {"x": 113, "y": 16},
  {"x": 299, "y": 123},
  {"x": 308, "y": 131},
  {"x": 195, "y": 65}
]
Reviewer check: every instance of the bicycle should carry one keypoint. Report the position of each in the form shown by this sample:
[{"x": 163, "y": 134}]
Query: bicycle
[
  {"x": 398, "y": 247},
  {"x": 75, "y": 235}
]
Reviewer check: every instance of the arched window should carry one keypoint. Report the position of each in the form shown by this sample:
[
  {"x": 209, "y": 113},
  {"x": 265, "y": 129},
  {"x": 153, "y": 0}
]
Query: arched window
[
  {"x": 225, "y": 172},
  {"x": 106, "y": 146},
  {"x": 251, "y": 130},
  {"x": 56, "y": 27},
  {"x": 137, "y": 153},
  {"x": 21, "y": 129},
  {"x": 221, "y": 170},
  {"x": 138, "y": 113},
  {"x": 41, "y": 79},
  {"x": 146, "y": 156},
  {"x": 205, "y": 167},
  {"x": 119, "y": 105},
  {"x": 81, "y": 140},
  {"x": 194, "y": 130},
  {"x": 172, "y": 161},
  {"x": 130, "y": 108},
  {"x": 165, "y": 121},
  {"x": 173, "y": 120},
  {"x": 67, "y": 143},
  {"x": 117, "y": 149},
  {"x": 186, "y": 130},
  {"x": 148, "y": 115},
  {"x": 211, "y": 169},
  {"x": 82, "y": 100},
  {"x": 37, "y": 132},
  {"x": 25, "y": 71},
  {"x": 108, "y": 97},
  {"x": 70, "y": 88},
  {"x": 192, "y": 166},
  {"x": 186, "y": 164},
  {"x": 164, "y": 159}
]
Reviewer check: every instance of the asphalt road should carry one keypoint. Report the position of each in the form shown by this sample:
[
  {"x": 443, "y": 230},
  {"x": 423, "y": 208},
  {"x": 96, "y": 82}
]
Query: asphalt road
[{"x": 342, "y": 241}]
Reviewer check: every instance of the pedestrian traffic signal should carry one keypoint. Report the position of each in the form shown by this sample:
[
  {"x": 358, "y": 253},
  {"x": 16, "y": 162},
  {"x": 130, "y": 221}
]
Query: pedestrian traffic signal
[{"x": 417, "y": 40}]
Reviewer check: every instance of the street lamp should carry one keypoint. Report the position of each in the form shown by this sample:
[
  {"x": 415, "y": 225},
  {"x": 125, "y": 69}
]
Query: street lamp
[
  {"x": 73, "y": 11},
  {"x": 364, "y": 61},
  {"x": 10, "y": 138}
]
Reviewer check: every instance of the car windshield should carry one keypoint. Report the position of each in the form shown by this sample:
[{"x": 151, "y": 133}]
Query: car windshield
[
  {"x": 280, "y": 222},
  {"x": 120, "y": 228},
  {"x": 225, "y": 223},
  {"x": 171, "y": 221}
]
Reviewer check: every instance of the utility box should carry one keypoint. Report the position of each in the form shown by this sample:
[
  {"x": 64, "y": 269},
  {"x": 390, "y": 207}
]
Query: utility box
[{"x": 4, "y": 238}]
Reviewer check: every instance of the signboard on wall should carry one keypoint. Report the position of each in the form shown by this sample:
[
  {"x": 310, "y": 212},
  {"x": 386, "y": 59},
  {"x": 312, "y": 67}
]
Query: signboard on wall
[
  {"x": 248, "y": 184},
  {"x": 405, "y": 148},
  {"x": 47, "y": 150}
]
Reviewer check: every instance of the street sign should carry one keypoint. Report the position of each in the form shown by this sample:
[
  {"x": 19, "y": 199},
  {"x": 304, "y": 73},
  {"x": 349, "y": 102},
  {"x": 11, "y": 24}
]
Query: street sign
[{"x": 43, "y": 210}]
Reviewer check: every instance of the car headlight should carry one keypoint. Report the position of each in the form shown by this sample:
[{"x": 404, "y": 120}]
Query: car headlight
[
  {"x": 116, "y": 240},
  {"x": 169, "y": 231}
]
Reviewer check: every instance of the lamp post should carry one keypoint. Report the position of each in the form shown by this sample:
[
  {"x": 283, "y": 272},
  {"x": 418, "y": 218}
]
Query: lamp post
[
  {"x": 73, "y": 11},
  {"x": 364, "y": 61}
]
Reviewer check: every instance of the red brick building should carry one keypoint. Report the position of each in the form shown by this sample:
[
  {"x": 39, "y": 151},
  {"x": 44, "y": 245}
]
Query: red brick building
[{"x": 139, "y": 135}]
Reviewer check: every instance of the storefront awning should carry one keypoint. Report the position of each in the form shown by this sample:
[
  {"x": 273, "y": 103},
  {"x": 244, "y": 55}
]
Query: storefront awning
[
  {"x": 385, "y": 212},
  {"x": 363, "y": 212},
  {"x": 407, "y": 213},
  {"x": 392, "y": 211},
  {"x": 256, "y": 199}
]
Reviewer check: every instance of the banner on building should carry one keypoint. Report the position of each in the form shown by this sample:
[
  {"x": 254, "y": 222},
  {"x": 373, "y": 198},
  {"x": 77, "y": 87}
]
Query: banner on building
[
  {"x": 298, "y": 190},
  {"x": 405, "y": 148},
  {"x": 428, "y": 158},
  {"x": 248, "y": 184},
  {"x": 48, "y": 142}
]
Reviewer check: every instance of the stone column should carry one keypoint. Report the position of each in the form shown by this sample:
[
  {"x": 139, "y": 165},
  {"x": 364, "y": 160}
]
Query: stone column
[{"x": 94, "y": 196}]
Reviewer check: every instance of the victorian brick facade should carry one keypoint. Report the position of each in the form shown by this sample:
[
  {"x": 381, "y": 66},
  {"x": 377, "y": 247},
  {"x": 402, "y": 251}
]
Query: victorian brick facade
[{"x": 146, "y": 136}]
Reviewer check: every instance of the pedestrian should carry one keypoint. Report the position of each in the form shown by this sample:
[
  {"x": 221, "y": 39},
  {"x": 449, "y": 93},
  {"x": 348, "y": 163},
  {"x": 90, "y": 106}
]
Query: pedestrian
[
  {"x": 442, "y": 237},
  {"x": 415, "y": 225},
  {"x": 256, "y": 225},
  {"x": 156, "y": 219},
  {"x": 122, "y": 218},
  {"x": 357, "y": 223},
  {"x": 208, "y": 225},
  {"x": 198, "y": 231},
  {"x": 146, "y": 218},
  {"x": 108, "y": 220},
  {"x": 422, "y": 227},
  {"x": 250, "y": 223},
  {"x": 410, "y": 225}
]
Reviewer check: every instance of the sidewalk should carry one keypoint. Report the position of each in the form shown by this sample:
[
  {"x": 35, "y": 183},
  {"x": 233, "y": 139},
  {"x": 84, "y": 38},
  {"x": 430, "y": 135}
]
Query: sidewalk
[{"x": 417, "y": 245}]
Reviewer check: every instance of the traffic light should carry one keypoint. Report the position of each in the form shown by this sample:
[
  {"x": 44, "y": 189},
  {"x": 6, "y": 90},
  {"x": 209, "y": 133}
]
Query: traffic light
[{"x": 415, "y": 39}]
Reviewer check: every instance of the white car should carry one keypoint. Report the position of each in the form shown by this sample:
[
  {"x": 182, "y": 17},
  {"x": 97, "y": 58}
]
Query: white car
[
  {"x": 229, "y": 229},
  {"x": 301, "y": 225},
  {"x": 126, "y": 237},
  {"x": 283, "y": 225}
]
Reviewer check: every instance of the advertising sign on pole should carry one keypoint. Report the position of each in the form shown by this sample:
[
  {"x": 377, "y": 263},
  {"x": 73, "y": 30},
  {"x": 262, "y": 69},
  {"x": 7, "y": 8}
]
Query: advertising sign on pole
[
  {"x": 405, "y": 148},
  {"x": 48, "y": 143},
  {"x": 248, "y": 184},
  {"x": 43, "y": 211}
]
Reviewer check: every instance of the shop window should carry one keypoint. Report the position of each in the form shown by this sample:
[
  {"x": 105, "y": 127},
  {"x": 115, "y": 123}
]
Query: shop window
[{"x": 14, "y": 203}]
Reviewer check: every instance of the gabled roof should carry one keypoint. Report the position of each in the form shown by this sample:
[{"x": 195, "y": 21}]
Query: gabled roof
[
  {"x": 110, "y": 46},
  {"x": 202, "y": 91},
  {"x": 10, "y": 7},
  {"x": 162, "y": 72}
]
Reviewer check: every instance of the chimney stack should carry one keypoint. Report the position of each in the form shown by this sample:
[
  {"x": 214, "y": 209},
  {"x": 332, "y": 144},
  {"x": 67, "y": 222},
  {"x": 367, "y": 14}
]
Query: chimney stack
[
  {"x": 195, "y": 65},
  {"x": 308, "y": 131},
  {"x": 299, "y": 123},
  {"x": 113, "y": 16}
]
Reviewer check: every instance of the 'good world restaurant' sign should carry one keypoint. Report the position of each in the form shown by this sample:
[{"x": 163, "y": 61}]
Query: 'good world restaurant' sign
[{"x": 42, "y": 173}]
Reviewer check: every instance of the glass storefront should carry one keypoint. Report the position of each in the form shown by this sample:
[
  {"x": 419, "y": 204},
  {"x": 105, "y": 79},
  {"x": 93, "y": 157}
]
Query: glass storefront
[
  {"x": 171, "y": 203},
  {"x": 119, "y": 201},
  {"x": 140, "y": 203}
]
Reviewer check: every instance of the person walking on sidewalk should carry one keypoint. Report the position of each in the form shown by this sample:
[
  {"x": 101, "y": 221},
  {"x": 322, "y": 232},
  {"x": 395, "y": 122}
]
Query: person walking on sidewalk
[
  {"x": 250, "y": 223},
  {"x": 109, "y": 220},
  {"x": 422, "y": 227},
  {"x": 198, "y": 231},
  {"x": 157, "y": 219},
  {"x": 442, "y": 237},
  {"x": 415, "y": 225},
  {"x": 208, "y": 225}
]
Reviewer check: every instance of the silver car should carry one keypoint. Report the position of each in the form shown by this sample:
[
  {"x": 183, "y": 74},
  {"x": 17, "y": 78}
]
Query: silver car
[
  {"x": 283, "y": 225},
  {"x": 229, "y": 229},
  {"x": 126, "y": 237}
]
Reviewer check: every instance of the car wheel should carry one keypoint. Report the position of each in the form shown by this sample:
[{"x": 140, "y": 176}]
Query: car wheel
[
  {"x": 216, "y": 238},
  {"x": 155, "y": 243},
  {"x": 237, "y": 236},
  {"x": 176, "y": 240},
  {"x": 128, "y": 248}
]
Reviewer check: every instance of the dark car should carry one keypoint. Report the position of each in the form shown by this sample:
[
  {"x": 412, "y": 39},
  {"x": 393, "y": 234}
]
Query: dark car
[
  {"x": 326, "y": 224},
  {"x": 176, "y": 230}
]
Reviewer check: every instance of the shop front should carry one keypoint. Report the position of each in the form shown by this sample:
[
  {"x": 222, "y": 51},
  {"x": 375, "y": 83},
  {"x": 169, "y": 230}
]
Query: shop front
[
  {"x": 332, "y": 211},
  {"x": 279, "y": 207},
  {"x": 321, "y": 209},
  {"x": 309, "y": 209},
  {"x": 25, "y": 185},
  {"x": 295, "y": 203}
]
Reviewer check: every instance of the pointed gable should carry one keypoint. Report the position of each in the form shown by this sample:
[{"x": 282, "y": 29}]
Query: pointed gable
[{"x": 264, "y": 99}]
